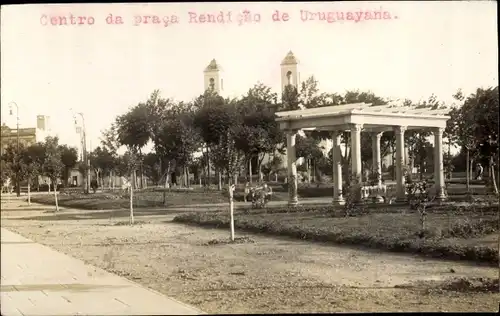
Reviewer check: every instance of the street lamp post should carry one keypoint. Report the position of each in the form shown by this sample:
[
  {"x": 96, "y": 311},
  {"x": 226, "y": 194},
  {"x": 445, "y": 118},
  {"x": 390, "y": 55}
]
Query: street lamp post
[
  {"x": 18, "y": 182},
  {"x": 86, "y": 160}
]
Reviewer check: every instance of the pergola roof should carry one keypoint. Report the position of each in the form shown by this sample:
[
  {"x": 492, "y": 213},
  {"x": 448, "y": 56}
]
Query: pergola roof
[{"x": 373, "y": 118}]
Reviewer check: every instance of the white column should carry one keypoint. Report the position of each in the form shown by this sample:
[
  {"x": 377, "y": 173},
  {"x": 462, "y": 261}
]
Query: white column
[
  {"x": 377, "y": 163},
  {"x": 400, "y": 162},
  {"x": 338, "y": 198},
  {"x": 292, "y": 168},
  {"x": 356, "y": 151},
  {"x": 438, "y": 164},
  {"x": 356, "y": 157}
]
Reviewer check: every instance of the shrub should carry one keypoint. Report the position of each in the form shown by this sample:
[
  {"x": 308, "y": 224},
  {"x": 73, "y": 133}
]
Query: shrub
[
  {"x": 433, "y": 246},
  {"x": 465, "y": 228}
]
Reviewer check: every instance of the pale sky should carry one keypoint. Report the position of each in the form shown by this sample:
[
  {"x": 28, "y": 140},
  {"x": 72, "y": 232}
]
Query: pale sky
[{"x": 102, "y": 70}]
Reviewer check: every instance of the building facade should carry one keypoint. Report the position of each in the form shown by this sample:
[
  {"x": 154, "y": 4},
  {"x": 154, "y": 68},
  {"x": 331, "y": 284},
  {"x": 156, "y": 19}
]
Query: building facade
[{"x": 27, "y": 136}]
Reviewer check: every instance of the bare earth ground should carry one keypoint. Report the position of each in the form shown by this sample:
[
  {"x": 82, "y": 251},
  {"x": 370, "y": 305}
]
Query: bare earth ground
[{"x": 270, "y": 275}]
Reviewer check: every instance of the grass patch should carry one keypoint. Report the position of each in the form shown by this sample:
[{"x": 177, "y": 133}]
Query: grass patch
[
  {"x": 237, "y": 240},
  {"x": 392, "y": 230},
  {"x": 462, "y": 284},
  {"x": 472, "y": 285},
  {"x": 142, "y": 199}
]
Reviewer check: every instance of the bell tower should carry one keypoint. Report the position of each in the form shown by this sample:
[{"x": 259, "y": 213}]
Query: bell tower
[
  {"x": 213, "y": 78},
  {"x": 289, "y": 71}
]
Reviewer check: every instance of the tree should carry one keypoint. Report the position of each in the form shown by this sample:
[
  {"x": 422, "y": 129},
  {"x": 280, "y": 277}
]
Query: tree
[
  {"x": 14, "y": 167},
  {"x": 152, "y": 167},
  {"x": 134, "y": 131},
  {"x": 110, "y": 143},
  {"x": 159, "y": 109},
  {"x": 417, "y": 139},
  {"x": 123, "y": 164},
  {"x": 289, "y": 99},
  {"x": 178, "y": 137},
  {"x": 309, "y": 149},
  {"x": 109, "y": 139},
  {"x": 273, "y": 166},
  {"x": 219, "y": 123},
  {"x": 260, "y": 133},
  {"x": 69, "y": 158},
  {"x": 103, "y": 162},
  {"x": 52, "y": 163},
  {"x": 33, "y": 160},
  {"x": 5, "y": 171},
  {"x": 484, "y": 106},
  {"x": 464, "y": 124}
]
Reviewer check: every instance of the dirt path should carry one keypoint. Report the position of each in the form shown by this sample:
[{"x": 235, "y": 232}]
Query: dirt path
[{"x": 270, "y": 275}]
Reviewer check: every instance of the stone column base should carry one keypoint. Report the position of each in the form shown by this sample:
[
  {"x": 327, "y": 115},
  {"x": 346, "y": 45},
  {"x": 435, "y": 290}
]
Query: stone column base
[
  {"x": 293, "y": 203},
  {"x": 441, "y": 197},
  {"x": 338, "y": 201}
]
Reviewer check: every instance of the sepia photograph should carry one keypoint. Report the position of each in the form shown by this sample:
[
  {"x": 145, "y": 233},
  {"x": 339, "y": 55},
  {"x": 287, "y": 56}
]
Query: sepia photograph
[{"x": 249, "y": 158}]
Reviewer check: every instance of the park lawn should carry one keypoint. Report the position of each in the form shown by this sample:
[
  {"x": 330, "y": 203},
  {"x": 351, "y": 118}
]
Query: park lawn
[
  {"x": 145, "y": 199},
  {"x": 453, "y": 233},
  {"x": 154, "y": 197}
]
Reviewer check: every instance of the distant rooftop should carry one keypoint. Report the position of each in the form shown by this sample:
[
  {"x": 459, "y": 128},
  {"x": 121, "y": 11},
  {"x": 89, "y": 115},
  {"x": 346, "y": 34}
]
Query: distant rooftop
[
  {"x": 289, "y": 59},
  {"x": 213, "y": 66}
]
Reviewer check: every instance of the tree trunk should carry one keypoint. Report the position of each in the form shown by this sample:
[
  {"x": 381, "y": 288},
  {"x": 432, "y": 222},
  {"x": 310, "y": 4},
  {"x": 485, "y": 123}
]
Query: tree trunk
[
  {"x": 471, "y": 169},
  {"x": 260, "y": 160},
  {"x": 29, "y": 192},
  {"x": 166, "y": 185},
  {"x": 134, "y": 181},
  {"x": 250, "y": 170},
  {"x": 231, "y": 209},
  {"x": 412, "y": 165},
  {"x": 492, "y": 176},
  {"x": 66, "y": 176},
  {"x": 219, "y": 179},
  {"x": 142, "y": 176},
  {"x": 132, "y": 199},
  {"x": 209, "y": 180},
  {"x": 467, "y": 171},
  {"x": 308, "y": 169},
  {"x": 55, "y": 198}
]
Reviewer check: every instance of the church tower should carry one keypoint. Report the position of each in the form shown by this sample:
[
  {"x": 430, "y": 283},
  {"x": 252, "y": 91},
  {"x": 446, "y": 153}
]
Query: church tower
[
  {"x": 213, "y": 78},
  {"x": 289, "y": 71}
]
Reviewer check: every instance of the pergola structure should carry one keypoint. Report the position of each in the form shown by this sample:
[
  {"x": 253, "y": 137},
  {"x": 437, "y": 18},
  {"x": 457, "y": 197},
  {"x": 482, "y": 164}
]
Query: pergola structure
[{"x": 358, "y": 118}]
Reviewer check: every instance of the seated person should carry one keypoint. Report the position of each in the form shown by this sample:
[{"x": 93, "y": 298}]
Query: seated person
[{"x": 267, "y": 191}]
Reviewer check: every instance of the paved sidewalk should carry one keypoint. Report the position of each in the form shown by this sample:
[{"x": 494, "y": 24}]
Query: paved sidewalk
[{"x": 36, "y": 280}]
